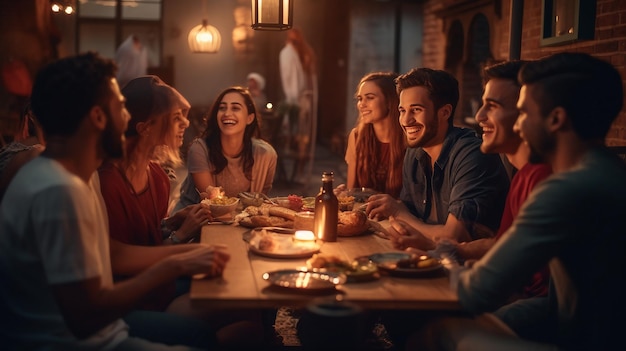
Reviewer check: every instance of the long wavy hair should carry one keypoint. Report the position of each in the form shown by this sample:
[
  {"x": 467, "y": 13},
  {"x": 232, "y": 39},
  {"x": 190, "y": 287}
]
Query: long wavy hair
[
  {"x": 367, "y": 147},
  {"x": 211, "y": 134},
  {"x": 304, "y": 50}
]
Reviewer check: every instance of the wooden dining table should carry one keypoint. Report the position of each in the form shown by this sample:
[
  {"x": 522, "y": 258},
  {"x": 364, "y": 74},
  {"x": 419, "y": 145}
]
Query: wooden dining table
[{"x": 242, "y": 285}]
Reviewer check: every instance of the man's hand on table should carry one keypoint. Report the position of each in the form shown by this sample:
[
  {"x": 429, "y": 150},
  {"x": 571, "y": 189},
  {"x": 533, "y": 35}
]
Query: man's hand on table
[
  {"x": 204, "y": 261},
  {"x": 404, "y": 236},
  {"x": 381, "y": 206}
]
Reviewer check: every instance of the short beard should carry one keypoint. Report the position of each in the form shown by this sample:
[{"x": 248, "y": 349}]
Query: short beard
[
  {"x": 113, "y": 141},
  {"x": 430, "y": 133},
  {"x": 545, "y": 145}
]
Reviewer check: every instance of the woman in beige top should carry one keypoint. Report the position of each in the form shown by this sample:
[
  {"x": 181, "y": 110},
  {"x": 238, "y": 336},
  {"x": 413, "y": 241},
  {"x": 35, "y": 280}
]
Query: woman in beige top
[{"x": 229, "y": 153}]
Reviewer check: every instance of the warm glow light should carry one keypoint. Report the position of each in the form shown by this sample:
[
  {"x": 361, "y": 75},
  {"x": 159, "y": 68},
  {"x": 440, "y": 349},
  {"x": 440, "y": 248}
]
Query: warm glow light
[
  {"x": 204, "y": 38},
  {"x": 269, "y": 106},
  {"x": 304, "y": 235},
  {"x": 62, "y": 6},
  {"x": 272, "y": 14}
]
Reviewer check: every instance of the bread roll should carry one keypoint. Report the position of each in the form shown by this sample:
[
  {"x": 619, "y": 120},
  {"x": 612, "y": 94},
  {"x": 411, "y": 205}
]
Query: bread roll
[
  {"x": 352, "y": 223},
  {"x": 271, "y": 221},
  {"x": 283, "y": 212}
]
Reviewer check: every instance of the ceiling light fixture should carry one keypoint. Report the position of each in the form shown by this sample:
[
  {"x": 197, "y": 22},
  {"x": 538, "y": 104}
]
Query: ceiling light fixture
[
  {"x": 272, "y": 14},
  {"x": 204, "y": 38}
]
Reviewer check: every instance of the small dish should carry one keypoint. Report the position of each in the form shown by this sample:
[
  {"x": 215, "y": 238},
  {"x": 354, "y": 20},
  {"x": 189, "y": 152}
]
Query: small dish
[
  {"x": 304, "y": 280},
  {"x": 292, "y": 202},
  {"x": 222, "y": 207},
  {"x": 360, "y": 270},
  {"x": 388, "y": 262},
  {"x": 361, "y": 194}
]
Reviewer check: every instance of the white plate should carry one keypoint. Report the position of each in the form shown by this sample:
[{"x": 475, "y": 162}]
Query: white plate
[{"x": 284, "y": 245}]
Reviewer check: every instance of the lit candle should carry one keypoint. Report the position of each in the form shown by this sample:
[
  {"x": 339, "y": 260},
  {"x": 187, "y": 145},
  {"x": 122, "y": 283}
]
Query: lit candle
[{"x": 304, "y": 236}]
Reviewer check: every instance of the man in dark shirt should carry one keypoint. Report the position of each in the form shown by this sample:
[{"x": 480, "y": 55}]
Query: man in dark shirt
[{"x": 450, "y": 190}]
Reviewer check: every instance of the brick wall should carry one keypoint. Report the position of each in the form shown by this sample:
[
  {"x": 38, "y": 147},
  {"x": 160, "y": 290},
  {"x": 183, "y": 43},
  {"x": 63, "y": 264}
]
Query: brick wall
[{"x": 609, "y": 41}]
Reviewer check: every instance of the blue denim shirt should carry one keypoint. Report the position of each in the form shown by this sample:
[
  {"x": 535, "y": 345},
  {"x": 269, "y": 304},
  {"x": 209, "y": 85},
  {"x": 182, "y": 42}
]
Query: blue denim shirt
[{"x": 464, "y": 182}]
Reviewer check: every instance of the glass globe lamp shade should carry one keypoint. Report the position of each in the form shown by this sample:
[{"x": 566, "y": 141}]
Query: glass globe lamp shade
[{"x": 204, "y": 38}]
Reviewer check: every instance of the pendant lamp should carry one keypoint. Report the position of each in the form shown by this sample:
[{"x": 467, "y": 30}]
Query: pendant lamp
[
  {"x": 204, "y": 38},
  {"x": 272, "y": 14}
]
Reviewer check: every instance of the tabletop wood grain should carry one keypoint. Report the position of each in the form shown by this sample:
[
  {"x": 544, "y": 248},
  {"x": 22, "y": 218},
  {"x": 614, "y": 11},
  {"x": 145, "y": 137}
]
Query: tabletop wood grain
[{"x": 242, "y": 284}]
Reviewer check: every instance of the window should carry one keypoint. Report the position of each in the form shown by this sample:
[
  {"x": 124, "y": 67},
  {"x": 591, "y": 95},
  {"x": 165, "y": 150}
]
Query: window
[
  {"x": 104, "y": 24},
  {"x": 566, "y": 21}
]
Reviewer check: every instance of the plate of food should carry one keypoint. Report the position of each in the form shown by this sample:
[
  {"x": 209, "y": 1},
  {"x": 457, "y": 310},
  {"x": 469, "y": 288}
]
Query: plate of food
[
  {"x": 404, "y": 264},
  {"x": 361, "y": 194},
  {"x": 266, "y": 215},
  {"x": 276, "y": 242},
  {"x": 352, "y": 223},
  {"x": 293, "y": 202},
  {"x": 359, "y": 270},
  {"x": 304, "y": 280},
  {"x": 308, "y": 203}
]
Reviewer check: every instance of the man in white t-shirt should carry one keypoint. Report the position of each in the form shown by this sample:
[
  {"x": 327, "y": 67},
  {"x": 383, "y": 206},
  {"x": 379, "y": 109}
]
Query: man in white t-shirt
[{"x": 56, "y": 287}]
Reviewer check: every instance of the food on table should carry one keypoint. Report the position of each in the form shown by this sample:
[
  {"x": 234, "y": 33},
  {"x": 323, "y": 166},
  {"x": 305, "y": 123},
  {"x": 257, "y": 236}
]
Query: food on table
[
  {"x": 295, "y": 202},
  {"x": 220, "y": 201},
  {"x": 361, "y": 269},
  {"x": 212, "y": 192},
  {"x": 308, "y": 203},
  {"x": 271, "y": 210},
  {"x": 270, "y": 221},
  {"x": 418, "y": 261},
  {"x": 304, "y": 220},
  {"x": 251, "y": 199},
  {"x": 346, "y": 203},
  {"x": 327, "y": 261},
  {"x": 267, "y": 243},
  {"x": 221, "y": 206},
  {"x": 361, "y": 194},
  {"x": 282, "y": 212},
  {"x": 352, "y": 223},
  {"x": 263, "y": 210},
  {"x": 266, "y": 215}
]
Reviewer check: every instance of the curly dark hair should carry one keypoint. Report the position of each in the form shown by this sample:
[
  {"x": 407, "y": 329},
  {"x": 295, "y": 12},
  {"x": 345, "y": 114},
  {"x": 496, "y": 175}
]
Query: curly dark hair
[{"x": 65, "y": 90}]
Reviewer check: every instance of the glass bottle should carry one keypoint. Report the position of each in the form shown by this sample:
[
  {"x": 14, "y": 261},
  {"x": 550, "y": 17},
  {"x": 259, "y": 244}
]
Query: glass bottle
[{"x": 326, "y": 210}]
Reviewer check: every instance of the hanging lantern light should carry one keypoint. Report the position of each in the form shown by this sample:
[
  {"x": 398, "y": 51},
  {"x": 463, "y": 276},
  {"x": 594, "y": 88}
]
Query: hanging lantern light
[
  {"x": 204, "y": 38},
  {"x": 272, "y": 14}
]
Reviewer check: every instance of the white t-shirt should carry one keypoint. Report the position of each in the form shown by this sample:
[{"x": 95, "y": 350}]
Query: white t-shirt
[{"x": 54, "y": 230}]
